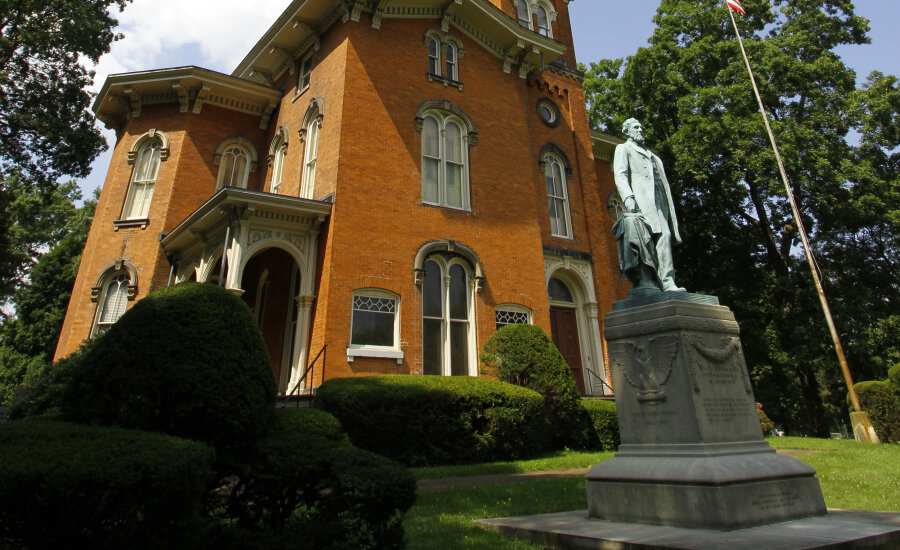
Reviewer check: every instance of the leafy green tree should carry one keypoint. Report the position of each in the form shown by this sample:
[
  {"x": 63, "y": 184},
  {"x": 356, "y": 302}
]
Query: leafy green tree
[
  {"x": 28, "y": 340},
  {"x": 690, "y": 89}
]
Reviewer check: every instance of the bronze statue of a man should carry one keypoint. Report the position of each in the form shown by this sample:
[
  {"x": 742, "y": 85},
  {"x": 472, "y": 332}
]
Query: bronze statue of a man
[{"x": 648, "y": 225}]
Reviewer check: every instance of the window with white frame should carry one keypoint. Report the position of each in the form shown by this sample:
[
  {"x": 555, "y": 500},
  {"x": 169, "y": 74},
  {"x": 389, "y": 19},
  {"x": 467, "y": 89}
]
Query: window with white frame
[
  {"x": 557, "y": 197},
  {"x": 375, "y": 325},
  {"x": 445, "y": 173},
  {"x": 305, "y": 73},
  {"x": 434, "y": 55},
  {"x": 511, "y": 314},
  {"x": 234, "y": 167},
  {"x": 307, "y": 186},
  {"x": 543, "y": 21},
  {"x": 444, "y": 54},
  {"x": 524, "y": 13},
  {"x": 112, "y": 302},
  {"x": 143, "y": 180},
  {"x": 615, "y": 206},
  {"x": 277, "y": 154},
  {"x": 450, "y": 60},
  {"x": 448, "y": 336}
]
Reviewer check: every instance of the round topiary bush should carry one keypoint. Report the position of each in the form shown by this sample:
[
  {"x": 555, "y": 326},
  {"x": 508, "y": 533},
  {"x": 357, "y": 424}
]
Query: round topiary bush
[
  {"x": 186, "y": 360},
  {"x": 66, "y": 485},
  {"x": 524, "y": 355},
  {"x": 432, "y": 420},
  {"x": 605, "y": 421}
]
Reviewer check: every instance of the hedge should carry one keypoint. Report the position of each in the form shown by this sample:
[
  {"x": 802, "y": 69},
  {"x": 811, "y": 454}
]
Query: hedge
[
  {"x": 605, "y": 421},
  {"x": 64, "y": 485},
  {"x": 317, "y": 493},
  {"x": 882, "y": 401},
  {"x": 432, "y": 420},
  {"x": 524, "y": 355},
  {"x": 186, "y": 360},
  {"x": 309, "y": 421}
]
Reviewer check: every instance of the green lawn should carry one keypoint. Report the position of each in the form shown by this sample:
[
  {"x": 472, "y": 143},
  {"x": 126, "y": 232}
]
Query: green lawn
[{"x": 853, "y": 476}]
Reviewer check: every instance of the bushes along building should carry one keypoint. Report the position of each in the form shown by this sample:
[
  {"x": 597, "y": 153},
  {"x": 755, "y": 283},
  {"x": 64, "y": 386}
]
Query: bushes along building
[{"x": 389, "y": 181}]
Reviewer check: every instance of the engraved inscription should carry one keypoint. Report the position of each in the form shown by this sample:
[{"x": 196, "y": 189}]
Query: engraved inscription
[
  {"x": 722, "y": 409},
  {"x": 776, "y": 498},
  {"x": 654, "y": 418}
]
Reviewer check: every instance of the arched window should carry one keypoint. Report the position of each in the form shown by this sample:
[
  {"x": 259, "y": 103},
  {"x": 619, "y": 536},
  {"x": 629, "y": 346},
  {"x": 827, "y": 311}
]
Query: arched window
[
  {"x": 511, "y": 314},
  {"x": 277, "y": 153},
  {"x": 434, "y": 56},
  {"x": 452, "y": 71},
  {"x": 543, "y": 21},
  {"x": 558, "y": 291},
  {"x": 143, "y": 179},
  {"x": 615, "y": 206},
  {"x": 113, "y": 300},
  {"x": 445, "y": 160},
  {"x": 524, "y": 14},
  {"x": 312, "y": 147},
  {"x": 448, "y": 336},
  {"x": 234, "y": 167},
  {"x": 557, "y": 197}
]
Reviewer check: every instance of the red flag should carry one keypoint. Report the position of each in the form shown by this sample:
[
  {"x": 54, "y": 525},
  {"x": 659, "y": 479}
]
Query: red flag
[{"x": 735, "y": 6}]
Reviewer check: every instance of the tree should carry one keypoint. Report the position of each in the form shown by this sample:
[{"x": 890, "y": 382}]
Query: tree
[
  {"x": 46, "y": 130},
  {"x": 692, "y": 92},
  {"x": 28, "y": 341}
]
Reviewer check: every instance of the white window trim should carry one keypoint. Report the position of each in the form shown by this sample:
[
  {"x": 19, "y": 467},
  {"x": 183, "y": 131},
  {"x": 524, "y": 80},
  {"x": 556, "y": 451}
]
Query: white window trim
[
  {"x": 532, "y": 7},
  {"x": 276, "y": 158},
  {"x": 311, "y": 156},
  {"x": 547, "y": 162},
  {"x": 252, "y": 158},
  {"x": 515, "y": 308},
  {"x": 442, "y": 121},
  {"x": 446, "y": 368},
  {"x": 147, "y": 186},
  {"x": 368, "y": 350},
  {"x": 308, "y": 74},
  {"x": 107, "y": 281}
]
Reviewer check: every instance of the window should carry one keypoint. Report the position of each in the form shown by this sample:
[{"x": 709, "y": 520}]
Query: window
[
  {"x": 511, "y": 314},
  {"x": 112, "y": 302},
  {"x": 236, "y": 159},
  {"x": 452, "y": 72},
  {"x": 305, "y": 72},
  {"x": 234, "y": 168},
  {"x": 524, "y": 14},
  {"x": 434, "y": 56},
  {"x": 277, "y": 153},
  {"x": 312, "y": 147},
  {"x": 143, "y": 179},
  {"x": 375, "y": 325},
  {"x": 448, "y": 338},
  {"x": 615, "y": 206},
  {"x": 548, "y": 112},
  {"x": 559, "y": 292},
  {"x": 543, "y": 22},
  {"x": 557, "y": 197},
  {"x": 445, "y": 174}
]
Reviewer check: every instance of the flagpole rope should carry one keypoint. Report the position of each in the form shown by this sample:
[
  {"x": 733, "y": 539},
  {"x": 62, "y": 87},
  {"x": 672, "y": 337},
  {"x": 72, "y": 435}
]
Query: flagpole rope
[{"x": 813, "y": 265}]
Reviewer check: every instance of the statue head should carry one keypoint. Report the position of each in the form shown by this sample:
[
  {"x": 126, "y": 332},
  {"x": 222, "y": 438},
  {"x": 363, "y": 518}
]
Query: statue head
[{"x": 633, "y": 130}]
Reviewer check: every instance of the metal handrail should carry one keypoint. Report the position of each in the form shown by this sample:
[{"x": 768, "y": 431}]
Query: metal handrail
[
  {"x": 602, "y": 381},
  {"x": 302, "y": 380}
]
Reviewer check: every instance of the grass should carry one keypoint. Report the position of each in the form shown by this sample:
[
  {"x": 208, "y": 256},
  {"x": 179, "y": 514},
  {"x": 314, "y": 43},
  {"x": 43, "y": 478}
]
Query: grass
[
  {"x": 561, "y": 460},
  {"x": 853, "y": 476}
]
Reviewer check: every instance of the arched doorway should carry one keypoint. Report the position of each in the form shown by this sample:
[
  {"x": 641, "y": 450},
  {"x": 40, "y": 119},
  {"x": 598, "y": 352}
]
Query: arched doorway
[
  {"x": 564, "y": 327},
  {"x": 271, "y": 281}
]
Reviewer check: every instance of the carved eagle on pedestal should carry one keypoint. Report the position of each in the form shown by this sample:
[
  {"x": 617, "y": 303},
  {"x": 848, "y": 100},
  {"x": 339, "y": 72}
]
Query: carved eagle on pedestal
[{"x": 648, "y": 366}]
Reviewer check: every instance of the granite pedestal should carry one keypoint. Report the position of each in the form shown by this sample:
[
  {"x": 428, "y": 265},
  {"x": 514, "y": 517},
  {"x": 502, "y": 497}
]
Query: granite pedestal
[{"x": 692, "y": 452}]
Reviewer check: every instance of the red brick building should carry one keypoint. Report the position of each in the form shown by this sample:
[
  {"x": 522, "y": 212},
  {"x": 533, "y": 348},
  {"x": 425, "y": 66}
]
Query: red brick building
[{"x": 386, "y": 180}]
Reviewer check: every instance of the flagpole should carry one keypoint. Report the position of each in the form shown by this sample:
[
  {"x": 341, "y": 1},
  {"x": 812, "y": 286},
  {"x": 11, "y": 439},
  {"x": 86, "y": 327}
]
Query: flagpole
[{"x": 858, "y": 418}]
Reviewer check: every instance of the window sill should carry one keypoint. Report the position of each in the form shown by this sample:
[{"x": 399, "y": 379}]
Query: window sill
[
  {"x": 380, "y": 353},
  {"x": 135, "y": 222},
  {"x": 445, "y": 81},
  {"x": 298, "y": 94},
  {"x": 446, "y": 206}
]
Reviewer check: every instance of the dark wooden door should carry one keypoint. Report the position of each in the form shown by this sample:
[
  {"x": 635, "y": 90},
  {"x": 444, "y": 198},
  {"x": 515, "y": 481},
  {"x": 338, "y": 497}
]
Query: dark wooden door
[{"x": 564, "y": 330}]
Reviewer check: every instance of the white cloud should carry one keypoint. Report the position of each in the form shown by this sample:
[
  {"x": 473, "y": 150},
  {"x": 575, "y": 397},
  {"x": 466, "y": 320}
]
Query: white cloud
[{"x": 216, "y": 34}]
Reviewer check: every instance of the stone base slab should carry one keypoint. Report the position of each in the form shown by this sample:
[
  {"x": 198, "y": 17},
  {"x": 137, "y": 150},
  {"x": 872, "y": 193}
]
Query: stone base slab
[{"x": 842, "y": 529}]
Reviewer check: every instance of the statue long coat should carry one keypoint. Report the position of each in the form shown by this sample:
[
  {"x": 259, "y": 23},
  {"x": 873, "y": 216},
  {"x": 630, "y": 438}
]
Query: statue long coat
[{"x": 633, "y": 171}]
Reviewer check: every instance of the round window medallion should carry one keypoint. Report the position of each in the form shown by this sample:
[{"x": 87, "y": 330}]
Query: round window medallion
[{"x": 548, "y": 112}]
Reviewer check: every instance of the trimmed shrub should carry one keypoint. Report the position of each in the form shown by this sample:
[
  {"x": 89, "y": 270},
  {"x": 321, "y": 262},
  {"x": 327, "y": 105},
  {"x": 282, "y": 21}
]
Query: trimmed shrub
[
  {"x": 65, "y": 485},
  {"x": 309, "y": 421},
  {"x": 525, "y": 356},
  {"x": 605, "y": 421},
  {"x": 309, "y": 492},
  {"x": 882, "y": 401},
  {"x": 431, "y": 420},
  {"x": 186, "y": 360}
]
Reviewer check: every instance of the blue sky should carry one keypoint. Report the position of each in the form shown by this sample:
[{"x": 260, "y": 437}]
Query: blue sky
[{"x": 217, "y": 33}]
